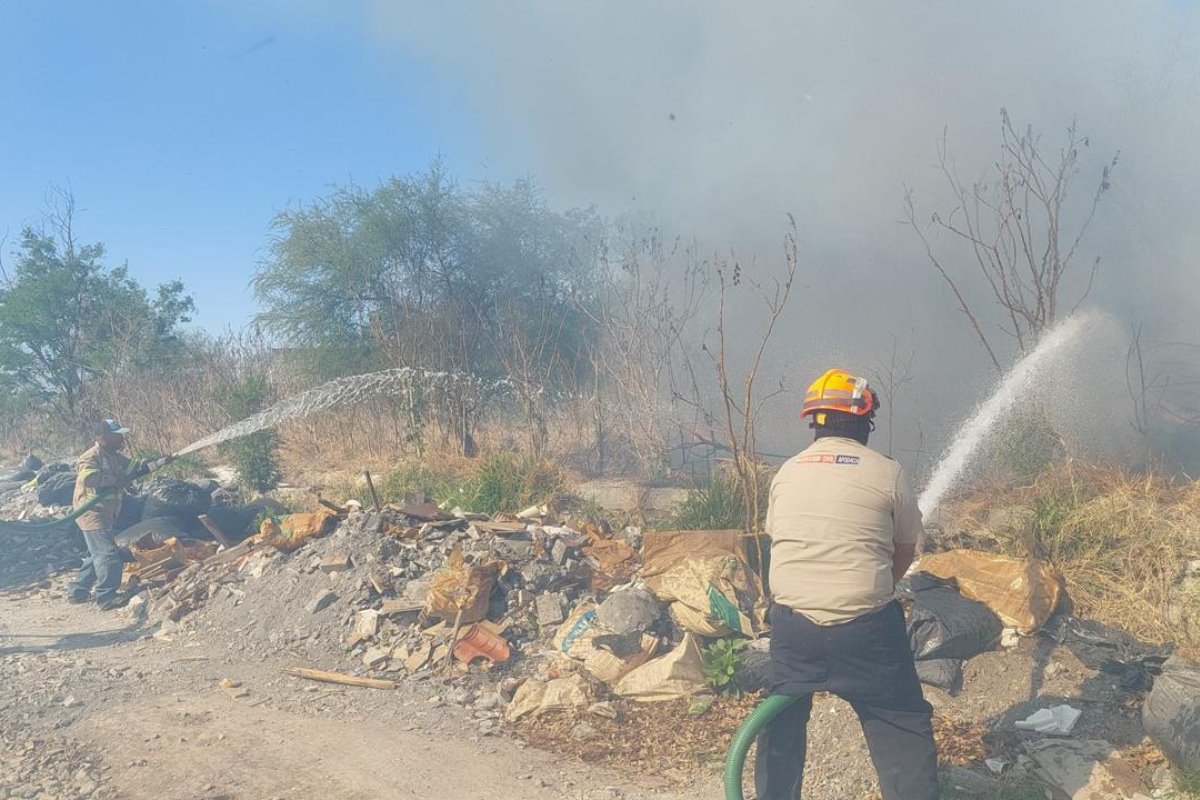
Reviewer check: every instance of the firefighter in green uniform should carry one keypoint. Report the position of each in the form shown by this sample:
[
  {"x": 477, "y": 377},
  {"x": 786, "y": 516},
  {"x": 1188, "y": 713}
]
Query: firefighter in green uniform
[{"x": 103, "y": 473}]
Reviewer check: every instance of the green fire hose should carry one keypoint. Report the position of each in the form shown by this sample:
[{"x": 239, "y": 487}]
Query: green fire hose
[
  {"x": 735, "y": 760},
  {"x": 51, "y": 524}
]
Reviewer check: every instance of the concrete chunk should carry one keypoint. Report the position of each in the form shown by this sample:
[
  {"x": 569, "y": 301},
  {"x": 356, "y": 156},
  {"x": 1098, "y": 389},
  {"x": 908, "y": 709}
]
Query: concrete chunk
[
  {"x": 551, "y": 608},
  {"x": 321, "y": 602},
  {"x": 366, "y": 623},
  {"x": 337, "y": 563},
  {"x": 374, "y": 657}
]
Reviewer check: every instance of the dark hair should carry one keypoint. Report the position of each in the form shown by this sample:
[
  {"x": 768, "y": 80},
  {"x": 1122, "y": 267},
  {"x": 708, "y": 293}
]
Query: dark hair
[{"x": 847, "y": 426}]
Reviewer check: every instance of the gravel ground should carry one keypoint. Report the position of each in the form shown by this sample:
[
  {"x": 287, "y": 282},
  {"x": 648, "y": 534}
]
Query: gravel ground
[
  {"x": 95, "y": 707},
  {"x": 111, "y": 706},
  {"x": 76, "y": 680}
]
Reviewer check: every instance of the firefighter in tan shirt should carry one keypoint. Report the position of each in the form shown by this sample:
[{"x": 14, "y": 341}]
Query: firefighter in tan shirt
[{"x": 844, "y": 526}]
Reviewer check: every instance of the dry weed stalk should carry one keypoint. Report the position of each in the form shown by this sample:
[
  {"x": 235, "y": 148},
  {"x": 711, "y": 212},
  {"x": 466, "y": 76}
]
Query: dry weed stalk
[{"x": 741, "y": 405}]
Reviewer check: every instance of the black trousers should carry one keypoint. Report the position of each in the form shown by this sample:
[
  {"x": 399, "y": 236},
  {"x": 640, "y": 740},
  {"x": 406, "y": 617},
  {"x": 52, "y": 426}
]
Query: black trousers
[{"x": 868, "y": 663}]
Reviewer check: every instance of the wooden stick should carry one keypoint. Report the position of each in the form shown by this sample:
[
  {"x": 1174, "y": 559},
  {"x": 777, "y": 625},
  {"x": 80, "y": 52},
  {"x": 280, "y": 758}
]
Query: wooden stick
[
  {"x": 338, "y": 677},
  {"x": 371, "y": 486},
  {"x": 332, "y": 506},
  {"x": 458, "y": 621},
  {"x": 156, "y": 571},
  {"x": 215, "y": 530},
  {"x": 151, "y": 565}
]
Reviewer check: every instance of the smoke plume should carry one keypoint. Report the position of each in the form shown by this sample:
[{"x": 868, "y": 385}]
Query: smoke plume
[{"x": 722, "y": 119}]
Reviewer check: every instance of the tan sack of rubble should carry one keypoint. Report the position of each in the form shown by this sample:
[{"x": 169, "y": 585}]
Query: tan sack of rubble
[
  {"x": 459, "y": 586},
  {"x": 1023, "y": 593},
  {"x": 537, "y": 697},
  {"x": 679, "y": 673}
]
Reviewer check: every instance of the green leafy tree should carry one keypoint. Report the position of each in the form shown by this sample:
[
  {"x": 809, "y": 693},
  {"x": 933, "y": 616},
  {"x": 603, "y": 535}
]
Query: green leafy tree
[
  {"x": 422, "y": 273},
  {"x": 65, "y": 317},
  {"x": 256, "y": 457}
]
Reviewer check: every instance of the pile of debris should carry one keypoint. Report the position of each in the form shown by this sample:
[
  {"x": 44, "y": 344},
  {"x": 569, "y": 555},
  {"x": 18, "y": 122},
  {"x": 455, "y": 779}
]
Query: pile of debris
[
  {"x": 964, "y": 602},
  {"x": 558, "y": 621},
  {"x": 573, "y": 609},
  {"x": 32, "y": 553},
  {"x": 35, "y": 491}
]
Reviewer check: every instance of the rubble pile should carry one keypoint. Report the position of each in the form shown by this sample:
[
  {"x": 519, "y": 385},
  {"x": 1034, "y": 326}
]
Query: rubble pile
[
  {"x": 406, "y": 590},
  {"x": 568, "y": 630},
  {"x": 527, "y": 614},
  {"x": 30, "y": 500},
  {"x": 28, "y": 554}
]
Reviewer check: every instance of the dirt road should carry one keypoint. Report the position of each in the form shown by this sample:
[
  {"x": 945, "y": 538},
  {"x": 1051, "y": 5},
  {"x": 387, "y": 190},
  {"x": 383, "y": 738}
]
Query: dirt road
[
  {"x": 92, "y": 706},
  {"x": 102, "y": 706}
]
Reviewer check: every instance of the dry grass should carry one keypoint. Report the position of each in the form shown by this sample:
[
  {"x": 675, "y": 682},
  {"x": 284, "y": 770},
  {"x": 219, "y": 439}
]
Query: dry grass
[
  {"x": 375, "y": 435},
  {"x": 1121, "y": 541}
]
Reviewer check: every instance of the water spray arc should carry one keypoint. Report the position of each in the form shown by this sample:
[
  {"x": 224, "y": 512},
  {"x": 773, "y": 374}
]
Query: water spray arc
[
  {"x": 345, "y": 392},
  {"x": 1012, "y": 389}
]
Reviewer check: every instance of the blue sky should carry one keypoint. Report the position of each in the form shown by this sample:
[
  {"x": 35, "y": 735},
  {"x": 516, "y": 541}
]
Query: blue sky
[{"x": 182, "y": 128}]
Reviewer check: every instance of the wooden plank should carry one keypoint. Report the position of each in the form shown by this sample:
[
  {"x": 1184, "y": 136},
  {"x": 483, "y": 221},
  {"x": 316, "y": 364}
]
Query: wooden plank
[
  {"x": 140, "y": 568},
  {"x": 502, "y": 528},
  {"x": 497, "y": 628},
  {"x": 390, "y": 607},
  {"x": 425, "y": 512},
  {"x": 338, "y": 677},
  {"x": 232, "y": 554},
  {"x": 216, "y": 531},
  {"x": 161, "y": 570}
]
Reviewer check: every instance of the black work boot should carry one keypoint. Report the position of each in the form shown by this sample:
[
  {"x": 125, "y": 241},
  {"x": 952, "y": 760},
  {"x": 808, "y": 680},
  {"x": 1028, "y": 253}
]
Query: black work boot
[{"x": 113, "y": 603}]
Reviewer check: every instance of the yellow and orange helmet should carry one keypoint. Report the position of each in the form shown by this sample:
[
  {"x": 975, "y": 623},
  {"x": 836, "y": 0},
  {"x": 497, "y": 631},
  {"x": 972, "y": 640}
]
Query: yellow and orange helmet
[{"x": 838, "y": 390}]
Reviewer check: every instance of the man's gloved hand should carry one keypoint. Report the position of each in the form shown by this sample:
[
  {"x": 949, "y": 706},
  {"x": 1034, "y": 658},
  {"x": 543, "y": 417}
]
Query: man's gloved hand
[
  {"x": 161, "y": 462},
  {"x": 144, "y": 468}
]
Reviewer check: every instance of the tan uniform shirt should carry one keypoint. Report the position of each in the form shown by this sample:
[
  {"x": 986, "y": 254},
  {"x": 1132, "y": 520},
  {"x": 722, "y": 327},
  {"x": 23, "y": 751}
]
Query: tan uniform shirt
[
  {"x": 835, "y": 514},
  {"x": 99, "y": 470}
]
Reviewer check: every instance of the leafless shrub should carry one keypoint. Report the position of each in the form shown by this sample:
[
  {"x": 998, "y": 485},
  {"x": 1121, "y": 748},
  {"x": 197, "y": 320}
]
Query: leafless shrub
[{"x": 1016, "y": 228}]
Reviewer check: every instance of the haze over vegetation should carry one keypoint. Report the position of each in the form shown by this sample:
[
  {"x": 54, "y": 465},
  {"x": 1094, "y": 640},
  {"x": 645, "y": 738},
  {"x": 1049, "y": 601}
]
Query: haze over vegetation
[{"x": 670, "y": 151}]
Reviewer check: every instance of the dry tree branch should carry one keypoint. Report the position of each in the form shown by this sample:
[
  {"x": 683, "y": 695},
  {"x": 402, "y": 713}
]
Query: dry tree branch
[
  {"x": 963, "y": 306},
  {"x": 1014, "y": 230},
  {"x": 890, "y": 379}
]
